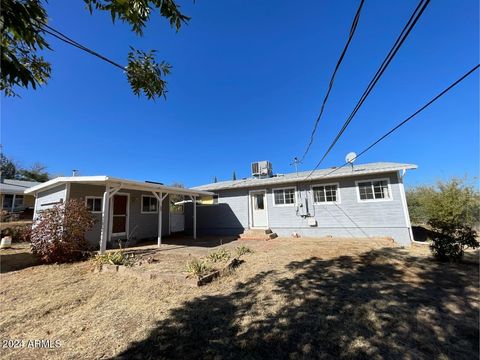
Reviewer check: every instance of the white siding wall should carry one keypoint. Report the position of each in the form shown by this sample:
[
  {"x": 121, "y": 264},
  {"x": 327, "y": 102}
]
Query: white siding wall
[
  {"x": 47, "y": 199},
  {"x": 349, "y": 218}
]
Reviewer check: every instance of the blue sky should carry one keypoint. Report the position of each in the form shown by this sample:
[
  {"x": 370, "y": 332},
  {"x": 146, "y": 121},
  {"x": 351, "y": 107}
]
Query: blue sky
[{"x": 247, "y": 83}]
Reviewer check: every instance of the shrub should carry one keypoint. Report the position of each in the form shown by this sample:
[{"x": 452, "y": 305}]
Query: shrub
[
  {"x": 243, "y": 250},
  {"x": 198, "y": 267},
  {"x": 453, "y": 211},
  {"x": 19, "y": 233},
  {"x": 58, "y": 234},
  {"x": 221, "y": 254},
  {"x": 114, "y": 258}
]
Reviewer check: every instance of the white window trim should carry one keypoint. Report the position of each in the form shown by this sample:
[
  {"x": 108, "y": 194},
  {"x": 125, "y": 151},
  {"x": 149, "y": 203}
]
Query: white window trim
[
  {"x": 390, "y": 198},
  {"x": 285, "y": 188},
  {"x": 338, "y": 201},
  {"x": 141, "y": 205},
  {"x": 94, "y": 198}
]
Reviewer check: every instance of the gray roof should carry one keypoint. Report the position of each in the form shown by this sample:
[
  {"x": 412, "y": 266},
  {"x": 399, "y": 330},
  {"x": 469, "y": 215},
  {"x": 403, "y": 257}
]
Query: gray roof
[
  {"x": 330, "y": 173},
  {"x": 10, "y": 186}
]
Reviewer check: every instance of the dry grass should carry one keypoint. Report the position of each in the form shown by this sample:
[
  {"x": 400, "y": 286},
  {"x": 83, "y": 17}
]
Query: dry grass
[{"x": 292, "y": 298}]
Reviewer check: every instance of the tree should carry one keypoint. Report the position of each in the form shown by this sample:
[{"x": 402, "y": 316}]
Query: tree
[
  {"x": 175, "y": 198},
  {"x": 452, "y": 210},
  {"x": 36, "y": 173},
  {"x": 24, "y": 24},
  {"x": 234, "y": 176},
  {"x": 7, "y": 167},
  {"x": 418, "y": 200}
]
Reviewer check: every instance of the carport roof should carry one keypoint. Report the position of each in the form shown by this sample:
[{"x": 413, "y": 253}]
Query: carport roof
[
  {"x": 116, "y": 182},
  {"x": 322, "y": 174},
  {"x": 11, "y": 186}
]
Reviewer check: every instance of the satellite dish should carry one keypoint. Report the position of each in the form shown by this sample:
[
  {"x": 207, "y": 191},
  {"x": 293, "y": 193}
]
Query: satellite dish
[{"x": 350, "y": 158}]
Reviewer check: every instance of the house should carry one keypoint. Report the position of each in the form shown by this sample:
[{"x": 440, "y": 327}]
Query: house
[
  {"x": 355, "y": 201},
  {"x": 125, "y": 209},
  {"x": 13, "y": 199}
]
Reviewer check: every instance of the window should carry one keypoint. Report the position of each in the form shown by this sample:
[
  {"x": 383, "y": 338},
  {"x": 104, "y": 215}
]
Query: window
[
  {"x": 207, "y": 200},
  {"x": 258, "y": 201},
  {"x": 7, "y": 201},
  {"x": 149, "y": 204},
  {"x": 94, "y": 204},
  {"x": 284, "y": 196},
  {"x": 325, "y": 194},
  {"x": 374, "y": 190}
]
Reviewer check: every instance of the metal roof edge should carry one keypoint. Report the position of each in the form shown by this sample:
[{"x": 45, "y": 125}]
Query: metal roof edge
[
  {"x": 107, "y": 179},
  {"x": 288, "y": 180}
]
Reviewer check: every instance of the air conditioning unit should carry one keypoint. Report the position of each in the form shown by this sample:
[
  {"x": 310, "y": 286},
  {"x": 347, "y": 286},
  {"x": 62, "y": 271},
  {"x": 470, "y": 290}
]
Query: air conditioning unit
[{"x": 262, "y": 169}]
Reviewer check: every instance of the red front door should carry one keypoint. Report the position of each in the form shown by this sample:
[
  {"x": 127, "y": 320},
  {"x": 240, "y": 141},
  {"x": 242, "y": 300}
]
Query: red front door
[{"x": 119, "y": 216}]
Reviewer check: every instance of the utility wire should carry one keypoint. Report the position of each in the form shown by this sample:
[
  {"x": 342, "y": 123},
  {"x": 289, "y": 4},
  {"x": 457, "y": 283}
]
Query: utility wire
[
  {"x": 60, "y": 36},
  {"x": 450, "y": 87},
  {"x": 396, "y": 46},
  {"x": 332, "y": 79}
]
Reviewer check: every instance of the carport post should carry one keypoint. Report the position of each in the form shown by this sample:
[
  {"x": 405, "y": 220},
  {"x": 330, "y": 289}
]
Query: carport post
[
  {"x": 105, "y": 212},
  {"x": 159, "y": 236},
  {"x": 160, "y": 197},
  {"x": 194, "y": 218}
]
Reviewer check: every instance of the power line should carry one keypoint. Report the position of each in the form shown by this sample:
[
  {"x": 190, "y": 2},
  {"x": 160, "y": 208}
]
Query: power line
[
  {"x": 400, "y": 124},
  {"x": 332, "y": 79},
  {"x": 391, "y": 54},
  {"x": 60, "y": 36}
]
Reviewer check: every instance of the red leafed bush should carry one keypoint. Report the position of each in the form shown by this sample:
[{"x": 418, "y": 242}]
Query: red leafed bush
[{"x": 58, "y": 234}]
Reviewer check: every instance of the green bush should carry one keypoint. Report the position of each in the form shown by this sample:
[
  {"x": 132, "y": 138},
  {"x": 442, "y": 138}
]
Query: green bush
[
  {"x": 19, "y": 233},
  {"x": 221, "y": 254},
  {"x": 114, "y": 258},
  {"x": 452, "y": 210},
  {"x": 198, "y": 267},
  {"x": 243, "y": 250}
]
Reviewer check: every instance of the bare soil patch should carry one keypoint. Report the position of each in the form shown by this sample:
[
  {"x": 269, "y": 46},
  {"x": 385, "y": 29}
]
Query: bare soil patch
[{"x": 293, "y": 298}]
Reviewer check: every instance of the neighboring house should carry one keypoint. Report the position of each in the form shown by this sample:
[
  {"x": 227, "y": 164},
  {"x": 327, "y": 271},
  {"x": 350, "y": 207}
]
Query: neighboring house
[
  {"x": 12, "y": 195},
  {"x": 355, "y": 201},
  {"x": 125, "y": 209}
]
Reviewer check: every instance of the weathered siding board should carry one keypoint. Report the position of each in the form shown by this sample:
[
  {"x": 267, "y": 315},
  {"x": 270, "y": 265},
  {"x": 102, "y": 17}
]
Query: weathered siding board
[
  {"x": 350, "y": 217},
  {"x": 147, "y": 224},
  {"x": 48, "y": 198},
  {"x": 350, "y": 212},
  {"x": 79, "y": 192},
  {"x": 229, "y": 216}
]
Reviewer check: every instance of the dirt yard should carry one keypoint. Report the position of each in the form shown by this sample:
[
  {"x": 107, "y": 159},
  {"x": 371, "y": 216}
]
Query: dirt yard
[{"x": 291, "y": 299}]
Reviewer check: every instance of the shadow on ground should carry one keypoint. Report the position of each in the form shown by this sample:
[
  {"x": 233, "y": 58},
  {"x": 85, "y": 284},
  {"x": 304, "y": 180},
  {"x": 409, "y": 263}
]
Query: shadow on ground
[
  {"x": 16, "y": 259},
  {"x": 368, "y": 306},
  {"x": 182, "y": 240}
]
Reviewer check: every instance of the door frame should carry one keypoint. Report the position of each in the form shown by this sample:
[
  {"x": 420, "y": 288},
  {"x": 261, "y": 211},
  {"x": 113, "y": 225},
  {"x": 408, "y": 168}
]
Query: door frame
[
  {"x": 127, "y": 216},
  {"x": 250, "y": 208}
]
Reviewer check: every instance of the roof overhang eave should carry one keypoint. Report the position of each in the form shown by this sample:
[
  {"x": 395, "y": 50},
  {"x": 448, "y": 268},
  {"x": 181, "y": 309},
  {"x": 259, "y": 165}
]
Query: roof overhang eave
[
  {"x": 313, "y": 178},
  {"x": 115, "y": 182}
]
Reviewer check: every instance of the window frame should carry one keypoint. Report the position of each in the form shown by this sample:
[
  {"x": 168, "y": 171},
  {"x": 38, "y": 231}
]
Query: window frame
[
  {"x": 390, "y": 198},
  {"x": 337, "y": 201},
  {"x": 3, "y": 201},
  {"x": 93, "y": 209},
  {"x": 285, "y": 188},
  {"x": 141, "y": 204}
]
